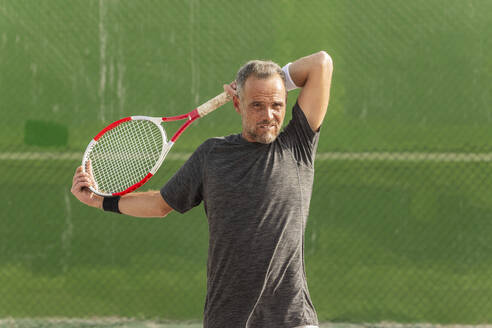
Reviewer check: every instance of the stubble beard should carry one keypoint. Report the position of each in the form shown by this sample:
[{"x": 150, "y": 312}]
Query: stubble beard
[{"x": 264, "y": 137}]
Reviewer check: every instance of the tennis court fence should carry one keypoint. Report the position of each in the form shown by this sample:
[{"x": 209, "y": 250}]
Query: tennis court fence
[{"x": 400, "y": 221}]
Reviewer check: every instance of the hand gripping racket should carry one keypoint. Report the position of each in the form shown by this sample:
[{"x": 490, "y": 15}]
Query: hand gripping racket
[{"x": 128, "y": 152}]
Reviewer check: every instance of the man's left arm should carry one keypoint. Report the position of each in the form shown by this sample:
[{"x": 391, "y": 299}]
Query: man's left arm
[{"x": 313, "y": 74}]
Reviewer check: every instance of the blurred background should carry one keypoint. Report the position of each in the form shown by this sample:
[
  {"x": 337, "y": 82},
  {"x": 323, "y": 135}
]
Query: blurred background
[{"x": 400, "y": 225}]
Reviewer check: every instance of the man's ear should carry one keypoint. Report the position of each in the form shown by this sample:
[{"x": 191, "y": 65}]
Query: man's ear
[{"x": 235, "y": 101}]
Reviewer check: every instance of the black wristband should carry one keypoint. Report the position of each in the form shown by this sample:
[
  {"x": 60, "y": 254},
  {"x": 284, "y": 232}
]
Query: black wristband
[{"x": 110, "y": 204}]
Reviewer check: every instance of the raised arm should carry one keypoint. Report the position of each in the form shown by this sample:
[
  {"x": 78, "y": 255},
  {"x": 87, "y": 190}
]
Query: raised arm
[
  {"x": 313, "y": 74},
  {"x": 140, "y": 204}
]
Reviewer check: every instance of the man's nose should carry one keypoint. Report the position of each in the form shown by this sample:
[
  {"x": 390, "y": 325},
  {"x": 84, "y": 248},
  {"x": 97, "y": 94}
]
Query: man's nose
[{"x": 270, "y": 113}]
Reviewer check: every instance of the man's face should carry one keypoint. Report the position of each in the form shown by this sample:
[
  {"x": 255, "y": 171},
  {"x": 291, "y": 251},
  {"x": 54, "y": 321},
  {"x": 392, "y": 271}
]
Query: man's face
[{"x": 262, "y": 108}]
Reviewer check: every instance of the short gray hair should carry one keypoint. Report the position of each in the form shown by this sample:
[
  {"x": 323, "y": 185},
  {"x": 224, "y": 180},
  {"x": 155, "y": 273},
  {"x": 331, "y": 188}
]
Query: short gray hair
[{"x": 261, "y": 69}]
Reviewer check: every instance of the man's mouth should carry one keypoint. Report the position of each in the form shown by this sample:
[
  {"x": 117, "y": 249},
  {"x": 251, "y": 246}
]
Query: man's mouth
[{"x": 267, "y": 125}]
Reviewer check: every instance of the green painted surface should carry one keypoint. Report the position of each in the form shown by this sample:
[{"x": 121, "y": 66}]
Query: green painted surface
[{"x": 387, "y": 240}]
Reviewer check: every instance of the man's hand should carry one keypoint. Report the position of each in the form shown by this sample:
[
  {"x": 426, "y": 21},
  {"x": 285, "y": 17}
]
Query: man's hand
[
  {"x": 80, "y": 189},
  {"x": 231, "y": 89}
]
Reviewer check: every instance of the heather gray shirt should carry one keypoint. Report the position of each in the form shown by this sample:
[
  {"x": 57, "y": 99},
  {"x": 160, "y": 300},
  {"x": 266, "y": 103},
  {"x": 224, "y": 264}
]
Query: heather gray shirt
[{"x": 256, "y": 197}]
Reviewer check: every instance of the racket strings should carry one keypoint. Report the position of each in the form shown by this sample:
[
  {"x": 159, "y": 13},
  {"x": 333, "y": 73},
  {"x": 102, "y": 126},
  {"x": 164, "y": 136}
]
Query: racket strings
[{"x": 124, "y": 155}]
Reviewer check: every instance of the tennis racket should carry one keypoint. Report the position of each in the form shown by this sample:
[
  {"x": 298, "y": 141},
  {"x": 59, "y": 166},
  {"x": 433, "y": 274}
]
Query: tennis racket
[{"x": 127, "y": 153}]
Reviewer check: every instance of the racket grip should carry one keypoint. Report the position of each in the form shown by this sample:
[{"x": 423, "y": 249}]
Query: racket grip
[{"x": 213, "y": 104}]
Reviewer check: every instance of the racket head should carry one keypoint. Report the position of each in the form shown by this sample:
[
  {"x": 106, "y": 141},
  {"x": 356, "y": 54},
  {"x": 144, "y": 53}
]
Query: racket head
[{"x": 125, "y": 155}]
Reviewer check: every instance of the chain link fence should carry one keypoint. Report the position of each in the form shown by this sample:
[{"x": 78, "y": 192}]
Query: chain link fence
[{"x": 400, "y": 223}]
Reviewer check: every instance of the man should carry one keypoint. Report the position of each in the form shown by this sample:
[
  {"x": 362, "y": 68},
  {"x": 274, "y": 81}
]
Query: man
[{"x": 256, "y": 187}]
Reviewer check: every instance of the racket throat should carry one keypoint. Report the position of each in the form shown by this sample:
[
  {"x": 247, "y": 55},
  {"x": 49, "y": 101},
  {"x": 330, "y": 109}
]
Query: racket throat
[
  {"x": 182, "y": 128},
  {"x": 193, "y": 115}
]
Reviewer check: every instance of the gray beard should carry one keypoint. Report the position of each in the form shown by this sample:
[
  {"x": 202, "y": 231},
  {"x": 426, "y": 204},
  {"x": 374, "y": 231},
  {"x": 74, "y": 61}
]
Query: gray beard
[{"x": 265, "y": 138}]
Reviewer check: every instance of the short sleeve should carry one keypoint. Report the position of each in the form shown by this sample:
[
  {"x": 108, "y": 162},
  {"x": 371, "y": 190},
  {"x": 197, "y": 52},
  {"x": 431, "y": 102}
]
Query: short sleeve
[
  {"x": 300, "y": 138},
  {"x": 185, "y": 188}
]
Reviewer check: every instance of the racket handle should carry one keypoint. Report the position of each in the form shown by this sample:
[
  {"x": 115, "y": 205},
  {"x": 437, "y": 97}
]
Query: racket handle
[{"x": 213, "y": 104}]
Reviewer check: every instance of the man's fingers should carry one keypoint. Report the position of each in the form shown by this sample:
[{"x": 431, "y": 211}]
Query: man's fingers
[
  {"x": 80, "y": 175},
  {"x": 230, "y": 89},
  {"x": 80, "y": 184},
  {"x": 80, "y": 188},
  {"x": 89, "y": 170},
  {"x": 84, "y": 179},
  {"x": 227, "y": 89},
  {"x": 77, "y": 172},
  {"x": 81, "y": 180}
]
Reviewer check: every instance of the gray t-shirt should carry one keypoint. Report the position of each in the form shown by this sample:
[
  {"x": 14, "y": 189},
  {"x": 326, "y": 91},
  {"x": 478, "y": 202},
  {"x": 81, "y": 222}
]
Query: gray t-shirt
[{"x": 256, "y": 197}]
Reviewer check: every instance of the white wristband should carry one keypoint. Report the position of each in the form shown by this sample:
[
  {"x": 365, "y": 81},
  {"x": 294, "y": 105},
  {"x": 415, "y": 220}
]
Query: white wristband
[{"x": 289, "y": 84}]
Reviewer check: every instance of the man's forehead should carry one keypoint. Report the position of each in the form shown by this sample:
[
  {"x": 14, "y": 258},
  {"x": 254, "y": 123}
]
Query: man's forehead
[{"x": 264, "y": 86}]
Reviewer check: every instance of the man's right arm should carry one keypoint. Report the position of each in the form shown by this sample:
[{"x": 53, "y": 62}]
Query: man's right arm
[
  {"x": 147, "y": 204},
  {"x": 139, "y": 204}
]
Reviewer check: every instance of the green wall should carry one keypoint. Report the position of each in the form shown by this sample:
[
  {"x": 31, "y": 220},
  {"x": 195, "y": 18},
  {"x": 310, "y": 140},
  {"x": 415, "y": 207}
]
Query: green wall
[{"x": 392, "y": 236}]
